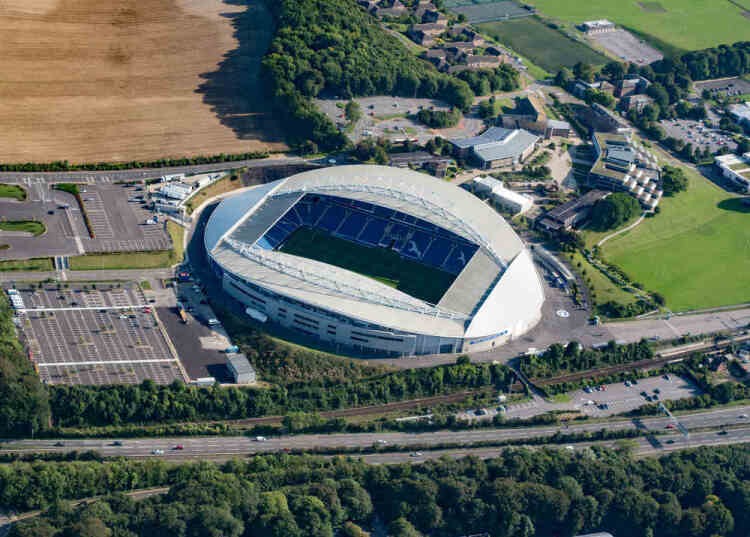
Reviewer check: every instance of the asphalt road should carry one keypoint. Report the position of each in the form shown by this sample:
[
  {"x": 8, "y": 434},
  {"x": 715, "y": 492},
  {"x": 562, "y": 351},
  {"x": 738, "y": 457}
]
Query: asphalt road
[{"x": 213, "y": 446}]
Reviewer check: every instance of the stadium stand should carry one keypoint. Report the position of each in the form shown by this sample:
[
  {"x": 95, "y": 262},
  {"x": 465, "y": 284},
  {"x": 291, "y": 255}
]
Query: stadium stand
[{"x": 370, "y": 225}]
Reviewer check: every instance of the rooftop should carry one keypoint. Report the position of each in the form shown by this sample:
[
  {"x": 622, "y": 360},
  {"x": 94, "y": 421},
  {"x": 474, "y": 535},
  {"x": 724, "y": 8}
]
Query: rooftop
[
  {"x": 493, "y": 134},
  {"x": 564, "y": 211},
  {"x": 511, "y": 146},
  {"x": 741, "y": 110}
]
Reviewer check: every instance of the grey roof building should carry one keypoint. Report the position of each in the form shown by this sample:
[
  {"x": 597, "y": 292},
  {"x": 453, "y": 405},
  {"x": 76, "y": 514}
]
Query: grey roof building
[
  {"x": 239, "y": 366},
  {"x": 497, "y": 147}
]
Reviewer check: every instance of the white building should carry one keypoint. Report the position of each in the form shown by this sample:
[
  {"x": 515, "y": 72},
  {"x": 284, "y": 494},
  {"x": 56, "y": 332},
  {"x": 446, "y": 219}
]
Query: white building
[
  {"x": 741, "y": 113},
  {"x": 598, "y": 27},
  {"x": 736, "y": 169},
  {"x": 175, "y": 190},
  {"x": 513, "y": 201},
  {"x": 494, "y": 293}
]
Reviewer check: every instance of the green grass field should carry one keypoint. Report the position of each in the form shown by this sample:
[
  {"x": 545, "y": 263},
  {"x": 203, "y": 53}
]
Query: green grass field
[
  {"x": 696, "y": 252},
  {"x": 27, "y": 226},
  {"x": 12, "y": 191},
  {"x": 547, "y": 48},
  {"x": 684, "y": 24},
  {"x": 120, "y": 261},
  {"x": 417, "y": 280}
]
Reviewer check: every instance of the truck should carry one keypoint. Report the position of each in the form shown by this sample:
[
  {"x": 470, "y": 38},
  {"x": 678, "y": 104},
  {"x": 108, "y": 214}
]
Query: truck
[{"x": 184, "y": 316}]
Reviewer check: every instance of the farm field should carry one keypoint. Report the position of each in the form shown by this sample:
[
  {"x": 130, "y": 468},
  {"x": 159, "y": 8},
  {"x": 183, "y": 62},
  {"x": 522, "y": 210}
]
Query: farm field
[
  {"x": 547, "y": 48},
  {"x": 696, "y": 252},
  {"x": 684, "y": 24},
  {"x": 383, "y": 265},
  {"x": 88, "y": 81}
]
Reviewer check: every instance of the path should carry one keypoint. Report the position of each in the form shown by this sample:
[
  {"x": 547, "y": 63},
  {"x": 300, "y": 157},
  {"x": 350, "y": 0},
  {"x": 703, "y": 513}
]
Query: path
[{"x": 623, "y": 230}]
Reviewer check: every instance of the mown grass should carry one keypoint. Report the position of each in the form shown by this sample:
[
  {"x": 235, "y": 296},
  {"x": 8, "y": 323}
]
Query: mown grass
[
  {"x": 121, "y": 261},
  {"x": 177, "y": 233},
  {"x": 696, "y": 252},
  {"x": 26, "y": 226},
  {"x": 221, "y": 186},
  {"x": 31, "y": 265},
  {"x": 597, "y": 283},
  {"x": 685, "y": 24},
  {"x": 545, "y": 47},
  {"x": 12, "y": 191}
]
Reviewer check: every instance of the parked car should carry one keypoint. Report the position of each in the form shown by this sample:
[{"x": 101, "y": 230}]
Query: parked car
[
  {"x": 179, "y": 447},
  {"x": 157, "y": 452},
  {"x": 117, "y": 443}
]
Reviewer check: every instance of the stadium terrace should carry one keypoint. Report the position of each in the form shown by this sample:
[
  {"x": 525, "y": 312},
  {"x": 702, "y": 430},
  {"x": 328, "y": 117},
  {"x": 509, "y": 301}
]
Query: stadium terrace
[{"x": 380, "y": 259}]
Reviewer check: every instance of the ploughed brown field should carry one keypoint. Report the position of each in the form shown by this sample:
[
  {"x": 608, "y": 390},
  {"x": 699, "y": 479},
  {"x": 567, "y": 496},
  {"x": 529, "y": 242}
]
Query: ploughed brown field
[{"x": 115, "y": 80}]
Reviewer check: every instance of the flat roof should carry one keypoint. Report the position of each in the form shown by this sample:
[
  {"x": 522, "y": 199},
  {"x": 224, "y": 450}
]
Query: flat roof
[
  {"x": 240, "y": 363},
  {"x": 561, "y": 212}
]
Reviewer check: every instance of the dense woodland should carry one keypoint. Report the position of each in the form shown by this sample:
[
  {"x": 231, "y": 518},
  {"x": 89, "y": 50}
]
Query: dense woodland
[
  {"x": 24, "y": 404},
  {"x": 521, "y": 493},
  {"x": 333, "y": 48}
]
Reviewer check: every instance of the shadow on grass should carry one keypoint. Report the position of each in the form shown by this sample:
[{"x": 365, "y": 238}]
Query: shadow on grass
[
  {"x": 739, "y": 205},
  {"x": 236, "y": 91}
]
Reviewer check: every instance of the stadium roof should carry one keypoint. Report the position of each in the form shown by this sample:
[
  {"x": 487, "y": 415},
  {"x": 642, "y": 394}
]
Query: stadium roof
[{"x": 241, "y": 219}]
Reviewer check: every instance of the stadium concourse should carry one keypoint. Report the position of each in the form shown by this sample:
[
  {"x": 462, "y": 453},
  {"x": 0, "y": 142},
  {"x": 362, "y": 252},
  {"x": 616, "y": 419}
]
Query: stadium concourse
[{"x": 380, "y": 259}]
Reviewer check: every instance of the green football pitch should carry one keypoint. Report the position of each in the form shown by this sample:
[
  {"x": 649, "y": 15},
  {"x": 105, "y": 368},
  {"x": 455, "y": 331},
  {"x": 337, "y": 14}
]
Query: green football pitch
[
  {"x": 682, "y": 24},
  {"x": 386, "y": 266},
  {"x": 696, "y": 252}
]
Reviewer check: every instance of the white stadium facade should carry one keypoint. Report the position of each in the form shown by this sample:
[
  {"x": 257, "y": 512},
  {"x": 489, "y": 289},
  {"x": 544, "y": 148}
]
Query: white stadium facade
[{"x": 496, "y": 294}]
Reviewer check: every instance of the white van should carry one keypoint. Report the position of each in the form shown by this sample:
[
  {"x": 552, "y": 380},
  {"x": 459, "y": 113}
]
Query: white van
[{"x": 213, "y": 322}]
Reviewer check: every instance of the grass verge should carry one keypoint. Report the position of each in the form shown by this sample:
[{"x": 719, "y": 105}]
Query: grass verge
[
  {"x": 177, "y": 233},
  {"x": 221, "y": 186},
  {"x": 12, "y": 191},
  {"x": 27, "y": 226},
  {"x": 31, "y": 265},
  {"x": 601, "y": 288}
]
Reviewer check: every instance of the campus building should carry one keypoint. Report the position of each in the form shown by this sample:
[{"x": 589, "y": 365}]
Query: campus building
[
  {"x": 736, "y": 169},
  {"x": 530, "y": 114},
  {"x": 571, "y": 213},
  {"x": 497, "y": 147},
  {"x": 624, "y": 166},
  {"x": 498, "y": 193},
  {"x": 741, "y": 113},
  {"x": 597, "y": 27},
  {"x": 494, "y": 293}
]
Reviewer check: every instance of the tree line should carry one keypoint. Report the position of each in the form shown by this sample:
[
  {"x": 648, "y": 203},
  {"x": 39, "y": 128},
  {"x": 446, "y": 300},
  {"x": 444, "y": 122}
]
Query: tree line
[
  {"x": 558, "y": 359},
  {"x": 75, "y": 406},
  {"x": 65, "y": 166},
  {"x": 701, "y": 492}
]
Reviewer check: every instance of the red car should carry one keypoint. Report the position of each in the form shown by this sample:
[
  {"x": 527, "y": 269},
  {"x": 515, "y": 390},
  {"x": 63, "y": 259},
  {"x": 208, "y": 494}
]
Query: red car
[
  {"x": 670, "y": 426},
  {"x": 179, "y": 447}
]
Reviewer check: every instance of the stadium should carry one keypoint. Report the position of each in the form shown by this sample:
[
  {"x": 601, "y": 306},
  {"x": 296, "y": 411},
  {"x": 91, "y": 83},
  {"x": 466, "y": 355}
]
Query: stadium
[{"x": 383, "y": 260}]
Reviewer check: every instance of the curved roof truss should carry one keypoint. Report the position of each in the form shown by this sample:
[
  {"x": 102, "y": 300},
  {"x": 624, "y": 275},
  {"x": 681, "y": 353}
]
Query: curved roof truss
[{"x": 444, "y": 215}]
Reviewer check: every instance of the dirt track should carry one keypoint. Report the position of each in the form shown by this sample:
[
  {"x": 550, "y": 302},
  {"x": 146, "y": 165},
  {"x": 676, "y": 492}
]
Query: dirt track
[{"x": 89, "y": 80}]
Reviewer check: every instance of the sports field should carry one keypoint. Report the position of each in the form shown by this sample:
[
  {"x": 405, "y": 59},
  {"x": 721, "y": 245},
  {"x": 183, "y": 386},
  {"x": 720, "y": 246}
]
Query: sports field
[
  {"x": 92, "y": 80},
  {"x": 684, "y": 24},
  {"x": 547, "y": 48},
  {"x": 386, "y": 266},
  {"x": 696, "y": 252}
]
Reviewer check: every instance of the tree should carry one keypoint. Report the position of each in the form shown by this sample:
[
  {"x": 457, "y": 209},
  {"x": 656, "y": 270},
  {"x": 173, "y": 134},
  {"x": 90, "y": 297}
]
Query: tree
[
  {"x": 402, "y": 528},
  {"x": 584, "y": 71},
  {"x": 614, "y": 70},
  {"x": 353, "y": 112},
  {"x": 564, "y": 77},
  {"x": 673, "y": 180},
  {"x": 613, "y": 211},
  {"x": 743, "y": 146}
]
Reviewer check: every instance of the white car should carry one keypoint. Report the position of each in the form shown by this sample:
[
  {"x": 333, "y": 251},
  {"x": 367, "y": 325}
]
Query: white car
[
  {"x": 213, "y": 322},
  {"x": 157, "y": 452},
  {"x": 381, "y": 442},
  {"x": 416, "y": 454},
  {"x": 260, "y": 438}
]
